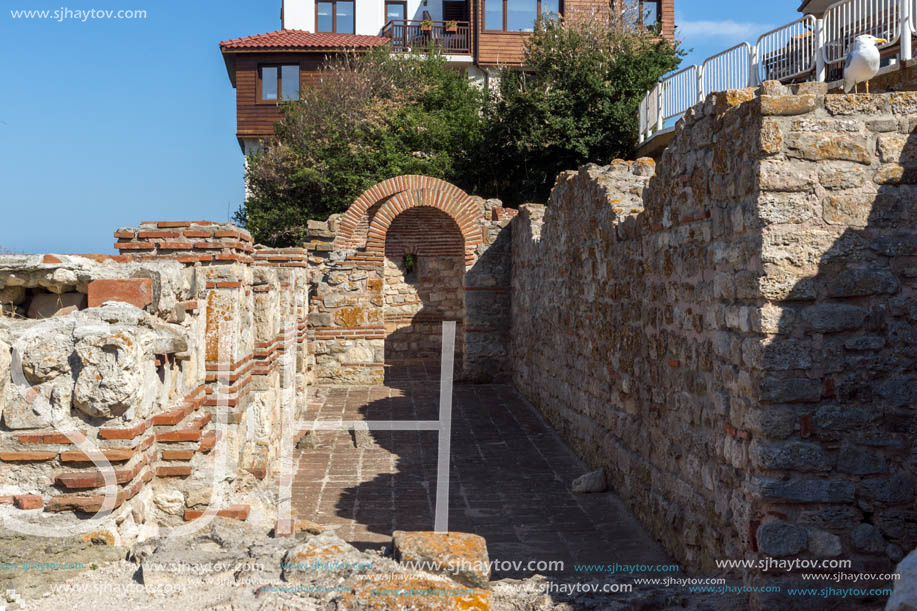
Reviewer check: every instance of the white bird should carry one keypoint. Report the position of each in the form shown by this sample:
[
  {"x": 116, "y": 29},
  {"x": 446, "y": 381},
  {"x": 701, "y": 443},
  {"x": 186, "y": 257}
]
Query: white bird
[{"x": 862, "y": 62}]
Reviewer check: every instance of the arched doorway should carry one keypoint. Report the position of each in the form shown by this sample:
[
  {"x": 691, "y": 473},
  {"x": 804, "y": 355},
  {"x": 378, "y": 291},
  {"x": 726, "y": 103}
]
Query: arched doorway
[{"x": 424, "y": 263}]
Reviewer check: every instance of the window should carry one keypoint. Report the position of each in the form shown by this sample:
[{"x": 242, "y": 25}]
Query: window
[
  {"x": 518, "y": 15},
  {"x": 395, "y": 10},
  {"x": 278, "y": 82},
  {"x": 493, "y": 15},
  {"x": 334, "y": 16},
  {"x": 650, "y": 13},
  {"x": 642, "y": 14}
]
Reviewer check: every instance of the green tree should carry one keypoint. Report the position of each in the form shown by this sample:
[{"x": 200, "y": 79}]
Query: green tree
[
  {"x": 576, "y": 102},
  {"x": 372, "y": 117}
]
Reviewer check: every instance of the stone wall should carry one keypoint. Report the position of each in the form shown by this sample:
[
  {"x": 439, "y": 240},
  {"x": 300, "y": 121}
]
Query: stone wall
[
  {"x": 733, "y": 338},
  {"x": 165, "y": 358}
]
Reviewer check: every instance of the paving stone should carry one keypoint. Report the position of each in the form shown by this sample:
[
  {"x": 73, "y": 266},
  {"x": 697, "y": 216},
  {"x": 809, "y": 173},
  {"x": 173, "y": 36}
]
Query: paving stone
[{"x": 509, "y": 474}]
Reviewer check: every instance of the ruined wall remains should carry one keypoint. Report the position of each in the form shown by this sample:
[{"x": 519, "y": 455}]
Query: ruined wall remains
[
  {"x": 155, "y": 357},
  {"x": 367, "y": 312},
  {"x": 733, "y": 339}
]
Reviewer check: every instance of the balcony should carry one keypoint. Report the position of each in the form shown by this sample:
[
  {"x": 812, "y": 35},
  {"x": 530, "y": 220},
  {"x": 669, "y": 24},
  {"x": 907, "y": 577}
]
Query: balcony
[{"x": 412, "y": 36}]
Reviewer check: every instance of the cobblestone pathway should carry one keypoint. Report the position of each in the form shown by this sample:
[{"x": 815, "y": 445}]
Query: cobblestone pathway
[{"x": 510, "y": 477}]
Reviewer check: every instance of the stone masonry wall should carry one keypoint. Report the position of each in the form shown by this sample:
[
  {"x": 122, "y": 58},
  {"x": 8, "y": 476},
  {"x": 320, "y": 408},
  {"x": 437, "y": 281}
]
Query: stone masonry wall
[
  {"x": 733, "y": 338},
  {"x": 156, "y": 356}
]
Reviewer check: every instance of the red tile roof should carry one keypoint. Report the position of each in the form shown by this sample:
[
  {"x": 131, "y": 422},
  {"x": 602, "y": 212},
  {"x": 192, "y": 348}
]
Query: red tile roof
[{"x": 301, "y": 39}]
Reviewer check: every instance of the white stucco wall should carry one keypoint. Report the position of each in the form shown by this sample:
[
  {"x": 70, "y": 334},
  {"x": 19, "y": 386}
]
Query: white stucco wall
[
  {"x": 370, "y": 14},
  {"x": 298, "y": 15}
]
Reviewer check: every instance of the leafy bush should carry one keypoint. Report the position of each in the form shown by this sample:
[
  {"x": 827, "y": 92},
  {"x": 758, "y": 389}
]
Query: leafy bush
[
  {"x": 372, "y": 117},
  {"x": 577, "y": 102}
]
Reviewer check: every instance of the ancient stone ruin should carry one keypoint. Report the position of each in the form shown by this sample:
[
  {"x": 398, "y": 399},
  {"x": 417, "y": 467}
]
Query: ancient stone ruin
[{"x": 730, "y": 335}]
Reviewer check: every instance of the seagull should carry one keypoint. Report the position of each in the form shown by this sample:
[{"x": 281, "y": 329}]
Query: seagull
[{"x": 862, "y": 62}]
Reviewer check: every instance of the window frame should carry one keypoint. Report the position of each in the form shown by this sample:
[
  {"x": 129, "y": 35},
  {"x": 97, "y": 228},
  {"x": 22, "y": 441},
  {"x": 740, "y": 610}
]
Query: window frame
[
  {"x": 334, "y": 15},
  {"x": 259, "y": 85},
  {"x": 658, "y": 22},
  {"x": 484, "y": 28},
  {"x": 404, "y": 8}
]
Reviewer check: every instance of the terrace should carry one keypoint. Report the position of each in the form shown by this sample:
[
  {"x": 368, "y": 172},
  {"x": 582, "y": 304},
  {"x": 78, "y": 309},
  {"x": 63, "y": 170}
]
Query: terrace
[
  {"x": 409, "y": 36},
  {"x": 812, "y": 48}
]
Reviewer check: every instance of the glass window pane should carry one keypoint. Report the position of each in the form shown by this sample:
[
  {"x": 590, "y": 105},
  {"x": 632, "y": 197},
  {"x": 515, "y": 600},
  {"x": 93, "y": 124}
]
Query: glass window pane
[
  {"x": 324, "y": 21},
  {"x": 520, "y": 15},
  {"x": 289, "y": 82},
  {"x": 269, "y": 83},
  {"x": 650, "y": 13},
  {"x": 344, "y": 17},
  {"x": 550, "y": 8},
  {"x": 493, "y": 14},
  {"x": 394, "y": 11}
]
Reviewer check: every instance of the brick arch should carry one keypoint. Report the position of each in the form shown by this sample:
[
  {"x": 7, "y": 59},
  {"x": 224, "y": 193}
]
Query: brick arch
[
  {"x": 439, "y": 193},
  {"x": 465, "y": 214}
]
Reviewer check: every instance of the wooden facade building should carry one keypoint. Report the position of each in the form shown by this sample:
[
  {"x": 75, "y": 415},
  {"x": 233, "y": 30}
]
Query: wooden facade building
[{"x": 477, "y": 36}]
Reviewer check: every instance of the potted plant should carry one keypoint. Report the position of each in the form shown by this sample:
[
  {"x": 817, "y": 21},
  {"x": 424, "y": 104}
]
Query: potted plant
[
  {"x": 426, "y": 25},
  {"x": 452, "y": 26}
]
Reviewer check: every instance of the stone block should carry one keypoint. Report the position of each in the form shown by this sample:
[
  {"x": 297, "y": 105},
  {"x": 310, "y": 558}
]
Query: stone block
[
  {"x": 893, "y": 148},
  {"x": 833, "y": 317},
  {"x": 861, "y": 282},
  {"x": 14, "y": 295},
  {"x": 594, "y": 481},
  {"x": 135, "y": 291},
  {"x": 821, "y": 146},
  {"x": 904, "y": 594},
  {"x": 843, "y": 176},
  {"x": 860, "y": 461},
  {"x": 849, "y": 104},
  {"x": 460, "y": 556},
  {"x": 811, "y": 87},
  {"x": 770, "y": 140},
  {"x": 806, "y": 490},
  {"x": 824, "y": 544},
  {"x": 112, "y": 379},
  {"x": 792, "y": 455},
  {"x": 867, "y": 539},
  {"x": 790, "y": 390},
  {"x": 779, "y": 539},
  {"x": 781, "y": 175},
  {"x": 844, "y": 417},
  {"x": 851, "y": 209},
  {"x": 784, "y": 105},
  {"x": 895, "y": 490},
  {"x": 782, "y": 208},
  {"x": 48, "y": 305}
]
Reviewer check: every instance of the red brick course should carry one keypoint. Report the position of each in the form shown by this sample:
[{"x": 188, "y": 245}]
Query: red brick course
[
  {"x": 28, "y": 501},
  {"x": 26, "y": 456},
  {"x": 49, "y": 437},
  {"x": 135, "y": 291},
  {"x": 236, "y": 512}
]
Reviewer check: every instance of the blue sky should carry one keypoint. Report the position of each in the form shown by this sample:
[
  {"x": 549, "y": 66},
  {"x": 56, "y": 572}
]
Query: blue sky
[{"x": 108, "y": 122}]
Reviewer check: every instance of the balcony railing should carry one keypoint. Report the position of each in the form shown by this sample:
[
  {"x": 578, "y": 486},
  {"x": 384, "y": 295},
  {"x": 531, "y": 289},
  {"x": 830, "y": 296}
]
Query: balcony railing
[
  {"x": 806, "y": 49},
  {"x": 449, "y": 37}
]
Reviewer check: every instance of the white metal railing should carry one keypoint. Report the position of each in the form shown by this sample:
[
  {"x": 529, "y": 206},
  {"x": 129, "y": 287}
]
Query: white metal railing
[
  {"x": 788, "y": 51},
  {"x": 729, "y": 69},
  {"x": 800, "y": 50},
  {"x": 679, "y": 92},
  {"x": 845, "y": 20}
]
